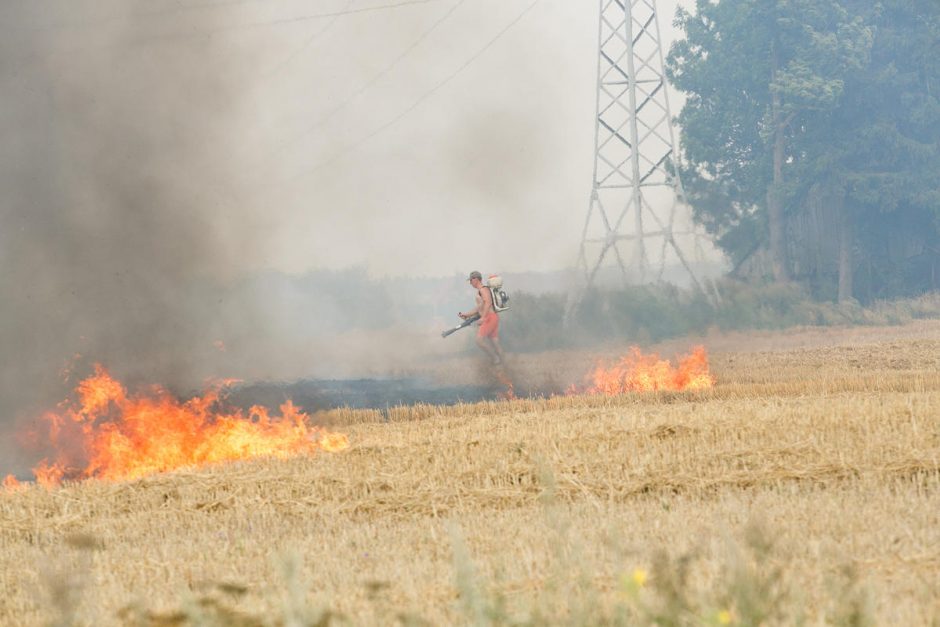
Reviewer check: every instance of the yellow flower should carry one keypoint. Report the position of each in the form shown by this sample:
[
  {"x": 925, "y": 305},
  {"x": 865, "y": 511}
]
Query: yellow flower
[
  {"x": 724, "y": 617},
  {"x": 639, "y": 577}
]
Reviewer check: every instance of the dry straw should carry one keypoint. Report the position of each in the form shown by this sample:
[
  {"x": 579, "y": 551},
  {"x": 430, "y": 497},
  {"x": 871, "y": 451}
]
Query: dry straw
[{"x": 549, "y": 506}]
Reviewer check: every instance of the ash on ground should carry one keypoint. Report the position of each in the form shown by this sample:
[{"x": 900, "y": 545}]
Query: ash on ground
[{"x": 317, "y": 394}]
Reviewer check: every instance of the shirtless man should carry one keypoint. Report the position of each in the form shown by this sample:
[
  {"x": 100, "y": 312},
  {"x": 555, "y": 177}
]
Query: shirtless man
[{"x": 488, "y": 333}]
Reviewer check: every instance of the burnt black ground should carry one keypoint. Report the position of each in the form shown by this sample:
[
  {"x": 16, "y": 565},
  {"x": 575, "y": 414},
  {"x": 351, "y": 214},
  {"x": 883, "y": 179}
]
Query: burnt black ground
[{"x": 318, "y": 394}]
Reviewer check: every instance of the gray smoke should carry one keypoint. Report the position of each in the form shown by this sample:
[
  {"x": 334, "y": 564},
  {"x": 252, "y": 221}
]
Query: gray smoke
[{"x": 108, "y": 219}]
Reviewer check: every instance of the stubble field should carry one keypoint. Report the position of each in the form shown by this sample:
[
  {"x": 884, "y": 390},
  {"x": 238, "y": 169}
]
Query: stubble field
[{"x": 804, "y": 487}]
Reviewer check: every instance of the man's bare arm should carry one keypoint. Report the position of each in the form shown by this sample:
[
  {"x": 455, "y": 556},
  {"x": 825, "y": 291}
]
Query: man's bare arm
[{"x": 466, "y": 315}]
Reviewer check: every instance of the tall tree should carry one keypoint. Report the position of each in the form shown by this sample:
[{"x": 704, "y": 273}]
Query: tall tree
[
  {"x": 878, "y": 153},
  {"x": 751, "y": 70}
]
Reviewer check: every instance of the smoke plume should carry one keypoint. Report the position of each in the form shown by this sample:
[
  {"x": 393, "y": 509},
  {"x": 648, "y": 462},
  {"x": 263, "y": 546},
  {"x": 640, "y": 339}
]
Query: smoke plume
[{"x": 111, "y": 152}]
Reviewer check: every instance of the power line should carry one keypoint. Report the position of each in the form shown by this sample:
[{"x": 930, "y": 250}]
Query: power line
[
  {"x": 303, "y": 18},
  {"x": 121, "y": 17},
  {"x": 374, "y": 79},
  {"x": 428, "y": 94},
  {"x": 293, "y": 55},
  {"x": 208, "y": 34},
  {"x": 210, "y": 6}
]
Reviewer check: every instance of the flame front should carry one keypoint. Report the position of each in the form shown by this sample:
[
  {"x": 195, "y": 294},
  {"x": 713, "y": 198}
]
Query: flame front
[
  {"x": 637, "y": 372},
  {"x": 111, "y": 435},
  {"x": 10, "y": 483}
]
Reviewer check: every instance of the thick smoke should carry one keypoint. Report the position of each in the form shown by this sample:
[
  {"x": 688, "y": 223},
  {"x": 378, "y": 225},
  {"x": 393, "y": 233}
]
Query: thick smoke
[
  {"x": 108, "y": 220},
  {"x": 125, "y": 236}
]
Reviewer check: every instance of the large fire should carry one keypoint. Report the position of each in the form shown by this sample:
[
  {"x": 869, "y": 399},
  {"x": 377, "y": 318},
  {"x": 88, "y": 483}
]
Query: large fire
[
  {"x": 636, "y": 372},
  {"x": 109, "y": 434}
]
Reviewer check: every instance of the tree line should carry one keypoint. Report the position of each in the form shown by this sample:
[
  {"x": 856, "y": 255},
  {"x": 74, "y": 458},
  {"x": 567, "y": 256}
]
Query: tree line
[{"x": 811, "y": 139}]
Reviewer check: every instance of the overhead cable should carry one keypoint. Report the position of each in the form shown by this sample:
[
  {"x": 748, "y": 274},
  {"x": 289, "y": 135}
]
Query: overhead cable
[
  {"x": 372, "y": 81},
  {"x": 380, "y": 7},
  {"x": 425, "y": 96},
  {"x": 293, "y": 55},
  {"x": 120, "y": 17},
  {"x": 209, "y": 33}
]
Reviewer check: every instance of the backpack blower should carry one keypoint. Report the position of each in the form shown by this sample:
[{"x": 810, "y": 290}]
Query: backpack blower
[{"x": 494, "y": 283}]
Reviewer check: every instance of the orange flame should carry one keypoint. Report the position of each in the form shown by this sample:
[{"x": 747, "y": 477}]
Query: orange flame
[
  {"x": 637, "y": 372},
  {"x": 111, "y": 435},
  {"x": 334, "y": 442},
  {"x": 10, "y": 484},
  {"x": 49, "y": 475},
  {"x": 503, "y": 378}
]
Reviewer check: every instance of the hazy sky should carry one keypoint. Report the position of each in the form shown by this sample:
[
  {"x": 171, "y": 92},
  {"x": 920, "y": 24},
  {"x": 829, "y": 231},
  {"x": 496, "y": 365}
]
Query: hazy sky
[
  {"x": 491, "y": 170},
  {"x": 345, "y": 140}
]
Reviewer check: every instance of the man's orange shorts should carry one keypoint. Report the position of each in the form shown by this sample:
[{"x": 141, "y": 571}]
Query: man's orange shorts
[{"x": 489, "y": 326}]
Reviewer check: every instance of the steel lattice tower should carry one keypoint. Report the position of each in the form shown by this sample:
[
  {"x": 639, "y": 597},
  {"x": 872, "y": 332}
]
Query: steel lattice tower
[{"x": 634, "y": 144}]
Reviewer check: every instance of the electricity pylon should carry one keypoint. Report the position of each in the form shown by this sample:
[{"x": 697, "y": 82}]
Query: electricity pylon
[{"x": 634, "y": 149}]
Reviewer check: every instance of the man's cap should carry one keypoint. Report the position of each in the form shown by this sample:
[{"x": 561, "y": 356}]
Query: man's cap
[{"x": 475, "y": 275}]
